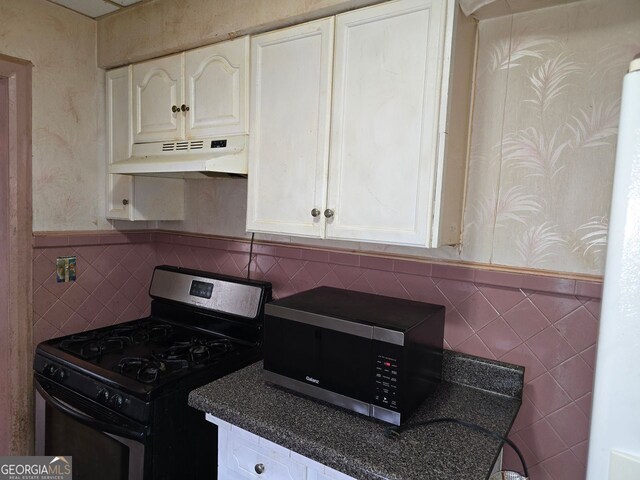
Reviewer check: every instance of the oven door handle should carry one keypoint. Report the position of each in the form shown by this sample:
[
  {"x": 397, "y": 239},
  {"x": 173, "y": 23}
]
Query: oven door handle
[{"x": 89, "y": 420}]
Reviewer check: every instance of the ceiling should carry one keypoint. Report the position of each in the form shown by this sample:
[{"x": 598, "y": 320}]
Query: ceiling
[
  {"x": 494, "y": 8},
  {"x": 95, "y": 8}
]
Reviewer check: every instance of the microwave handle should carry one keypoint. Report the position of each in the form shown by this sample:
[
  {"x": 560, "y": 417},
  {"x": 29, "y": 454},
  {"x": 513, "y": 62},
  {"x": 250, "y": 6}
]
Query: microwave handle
[{"x": 87, "y": 419}]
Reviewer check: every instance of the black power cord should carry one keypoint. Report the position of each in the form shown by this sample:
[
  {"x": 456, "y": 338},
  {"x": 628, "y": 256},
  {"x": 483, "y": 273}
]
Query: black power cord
[
  {"x": 250, "y": 256},
  {"x": 394, "y": 432}
]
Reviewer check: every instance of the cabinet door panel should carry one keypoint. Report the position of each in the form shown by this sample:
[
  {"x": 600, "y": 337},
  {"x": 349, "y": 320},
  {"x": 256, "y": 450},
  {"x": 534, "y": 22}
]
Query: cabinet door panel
[
  {"x": 131, "y": 197},
  {"x": 384, "y": 122},
  {"x": 217, "y": 89},
  {"x": 158, "y": 198},
  {"x": 288, "y": 154},
  {"x": 157, "y": 87},
  {"x": 118, "y": 109}
]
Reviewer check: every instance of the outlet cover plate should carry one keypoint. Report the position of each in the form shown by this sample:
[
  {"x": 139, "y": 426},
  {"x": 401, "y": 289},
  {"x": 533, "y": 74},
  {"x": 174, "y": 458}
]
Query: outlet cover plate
[{"x": 65, "y": 269}]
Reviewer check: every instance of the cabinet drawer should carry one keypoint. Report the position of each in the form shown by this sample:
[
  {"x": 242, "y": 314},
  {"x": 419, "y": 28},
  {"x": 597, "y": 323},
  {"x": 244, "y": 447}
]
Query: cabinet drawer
[{"x": 244, "y": 456}]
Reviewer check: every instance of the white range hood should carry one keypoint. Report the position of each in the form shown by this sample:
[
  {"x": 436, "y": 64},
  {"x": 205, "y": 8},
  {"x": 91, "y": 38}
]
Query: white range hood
[{"x": 187, "y": 158}]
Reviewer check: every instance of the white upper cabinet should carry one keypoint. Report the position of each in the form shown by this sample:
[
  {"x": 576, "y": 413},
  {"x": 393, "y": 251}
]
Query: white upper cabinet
[
  {"x": 157, "y": 97},
  {"x": 129, "y": 197},
  {"x": 384, "y": 122},
  {"x": 118, "y": 97},
  {"x": 216, "y": 83},
  {"x": 398, "y": 123},
  {"x": 289, "y": 142},
  {"x": 200, "y": 93}
]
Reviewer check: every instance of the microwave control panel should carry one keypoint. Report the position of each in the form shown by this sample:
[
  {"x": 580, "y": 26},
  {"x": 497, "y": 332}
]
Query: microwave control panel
[{"x": 386, "y": 382}]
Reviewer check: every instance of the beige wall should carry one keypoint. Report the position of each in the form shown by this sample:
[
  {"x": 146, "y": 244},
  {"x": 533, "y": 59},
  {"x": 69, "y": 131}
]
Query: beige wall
[{"x": 68, "y": 158}]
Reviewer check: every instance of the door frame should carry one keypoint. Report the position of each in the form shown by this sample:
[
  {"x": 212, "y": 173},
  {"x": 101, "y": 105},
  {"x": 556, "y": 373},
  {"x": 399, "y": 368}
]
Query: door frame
[{"x": 16, "y": 348}]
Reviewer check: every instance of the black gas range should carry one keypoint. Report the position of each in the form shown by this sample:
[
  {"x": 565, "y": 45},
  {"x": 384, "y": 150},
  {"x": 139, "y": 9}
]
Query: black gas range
[{"x": 115, "y": 398}]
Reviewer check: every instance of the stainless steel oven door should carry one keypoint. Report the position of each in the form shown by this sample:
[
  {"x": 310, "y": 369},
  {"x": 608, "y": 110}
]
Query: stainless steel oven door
[{"x": 100, "y": 449}]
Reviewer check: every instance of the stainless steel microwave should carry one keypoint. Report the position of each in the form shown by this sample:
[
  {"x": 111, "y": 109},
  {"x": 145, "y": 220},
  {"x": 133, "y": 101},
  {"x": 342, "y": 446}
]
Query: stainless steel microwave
[{"x": 378, "y": 356}]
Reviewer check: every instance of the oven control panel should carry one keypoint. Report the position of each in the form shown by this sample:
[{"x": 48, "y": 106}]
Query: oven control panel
[
  {"x": 218, "y": 294},
  {"x": 386, "y": 382}
]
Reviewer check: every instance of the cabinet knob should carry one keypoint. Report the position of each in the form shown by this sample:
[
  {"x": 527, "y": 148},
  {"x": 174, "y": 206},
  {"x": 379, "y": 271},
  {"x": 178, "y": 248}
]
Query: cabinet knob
[
  {"x": 175, "y": 109},
  {"x": 125, "y": 201},
  {"x": 315, "y": 213},
  {"x": 328, "y": 213},
  {"x": 184, "y": 108},
  {"x": 259, "y": 468}
]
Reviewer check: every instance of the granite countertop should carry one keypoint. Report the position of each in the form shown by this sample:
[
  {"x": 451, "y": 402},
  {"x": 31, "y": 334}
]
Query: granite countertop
[{"x": 477, "y": 390}]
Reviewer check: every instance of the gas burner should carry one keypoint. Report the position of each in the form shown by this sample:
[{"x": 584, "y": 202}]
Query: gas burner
[
  {"x": 94, "y": 344},
  {"x": 196, "y": 350},
  {"x": 90, "y": 345},
  {"x": 148, "y": 370},
  {"x": 93, "y": 349},
  {"x": 219, "y": 344},
  {"x": 146, "y": 332},
  {"x": 79, "y": 337}
]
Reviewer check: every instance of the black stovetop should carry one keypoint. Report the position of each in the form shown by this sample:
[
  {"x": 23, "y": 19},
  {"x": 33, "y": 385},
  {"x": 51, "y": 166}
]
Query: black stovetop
[{"x": 150, "y": 351}]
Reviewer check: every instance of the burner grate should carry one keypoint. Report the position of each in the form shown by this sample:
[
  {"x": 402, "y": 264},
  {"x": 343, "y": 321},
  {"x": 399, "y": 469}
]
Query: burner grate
[
  {"x": 178, "y": 356},
  {"x": 93, "y": 345},
  {"x": 197, "y": 350},
  {"x": 92, "y": 349},
  {"x": 148, "y": 370}
]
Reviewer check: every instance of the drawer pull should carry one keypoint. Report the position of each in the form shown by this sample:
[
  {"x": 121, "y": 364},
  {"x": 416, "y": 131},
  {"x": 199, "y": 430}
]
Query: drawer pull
[{"x": 259, "y": 468}]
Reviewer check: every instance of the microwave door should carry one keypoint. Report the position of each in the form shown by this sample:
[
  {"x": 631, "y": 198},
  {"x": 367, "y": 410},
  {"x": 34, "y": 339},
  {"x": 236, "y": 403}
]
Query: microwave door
[
  {"x": 346, "y": 364},
  {"x": 294, "y": 350}
]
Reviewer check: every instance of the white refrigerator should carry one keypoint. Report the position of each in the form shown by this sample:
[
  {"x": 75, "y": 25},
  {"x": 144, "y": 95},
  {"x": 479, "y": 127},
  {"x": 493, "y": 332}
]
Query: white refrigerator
[{"x": 614, "y": 444}]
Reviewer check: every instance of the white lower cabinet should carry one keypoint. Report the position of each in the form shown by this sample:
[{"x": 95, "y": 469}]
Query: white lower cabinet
[{"x": 243, "y": 455}]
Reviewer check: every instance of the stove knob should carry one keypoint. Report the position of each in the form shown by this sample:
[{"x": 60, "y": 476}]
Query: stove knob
[
  {"x": 117, "y": 401},
  {"x": 50, "y": 370},
  {"x": 62, "y": 375},
  {"x": 103, "y": 395}
]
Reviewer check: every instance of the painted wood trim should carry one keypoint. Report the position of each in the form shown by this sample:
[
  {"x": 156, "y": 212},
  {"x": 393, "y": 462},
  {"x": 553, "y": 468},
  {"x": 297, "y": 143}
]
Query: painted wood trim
[{"x": 16, "y": 433}]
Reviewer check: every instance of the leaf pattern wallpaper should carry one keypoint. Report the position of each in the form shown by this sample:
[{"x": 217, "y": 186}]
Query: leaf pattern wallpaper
[{"x": 544, "y": 134}]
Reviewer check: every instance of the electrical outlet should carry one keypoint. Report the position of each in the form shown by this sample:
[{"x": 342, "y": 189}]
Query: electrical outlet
[{"x": 65, "y": 269}]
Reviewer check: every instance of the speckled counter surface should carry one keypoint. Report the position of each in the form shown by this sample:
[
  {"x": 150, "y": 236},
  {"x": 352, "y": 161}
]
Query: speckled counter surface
[{"x": 476, "y": 390}]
